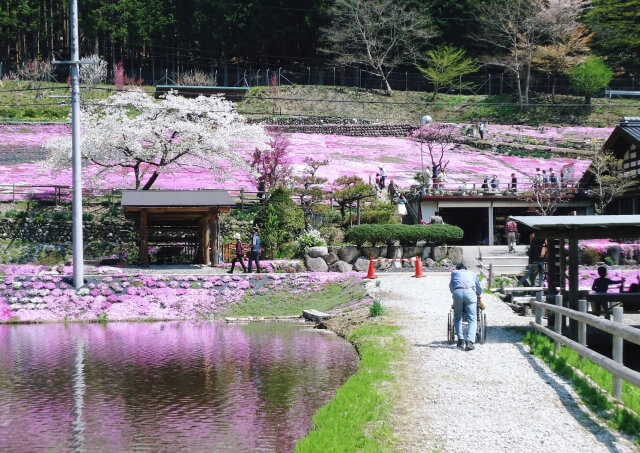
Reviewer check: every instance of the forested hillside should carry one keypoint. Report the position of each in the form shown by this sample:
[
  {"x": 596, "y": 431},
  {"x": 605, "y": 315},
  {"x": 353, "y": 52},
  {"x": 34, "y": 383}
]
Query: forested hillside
[{"x": 174, "y": 36}]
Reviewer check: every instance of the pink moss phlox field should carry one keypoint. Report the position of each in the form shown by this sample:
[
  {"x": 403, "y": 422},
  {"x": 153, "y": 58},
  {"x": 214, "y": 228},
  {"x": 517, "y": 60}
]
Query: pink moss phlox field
[
  {"x": 587, "y": 276},
  {"x": 359, "y": 156},
  {"x": 602, "y": 245},
  {"x": 42, "y": 298}
]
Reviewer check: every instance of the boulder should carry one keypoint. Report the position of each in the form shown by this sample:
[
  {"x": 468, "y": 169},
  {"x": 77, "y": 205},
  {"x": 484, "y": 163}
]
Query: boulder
[
  {"x": 349, "y": 253},
  {"x": 430, "y": 263},
  {"x": 371, "y": 252},
  {"x": 455, "y": 254},
  {"x": 331, "y": 258},
  {"x": 426, "y": 252},
  {"x": 394, "y": 251},
  {"x": 384, "y": 265},
  {"x": 341, "y": 266},
  {"x": 361, "y": 264},
  {"x": 439, "y": 252},
  {"x": 411, "y": 252},
  {"x": 315, "y": 264},
  {"x": 317, "y": 252}
]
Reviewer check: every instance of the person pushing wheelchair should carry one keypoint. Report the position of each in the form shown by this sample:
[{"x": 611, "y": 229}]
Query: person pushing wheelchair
[{"x": 465, "y": 288}]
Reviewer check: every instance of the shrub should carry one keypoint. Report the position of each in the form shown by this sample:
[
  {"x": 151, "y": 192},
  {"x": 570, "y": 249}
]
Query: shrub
[
  {"x": 308, "y": 239},
  {"x": 405, "y": 234},
  {"x": 590, "y": 256},
  {"x": 196, "y": 78},
  {"x": 332, "y": 235}
]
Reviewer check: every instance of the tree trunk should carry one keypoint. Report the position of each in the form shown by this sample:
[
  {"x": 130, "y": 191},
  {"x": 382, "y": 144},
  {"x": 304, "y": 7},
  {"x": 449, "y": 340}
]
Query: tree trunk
[{"x": 386, "y": 83}]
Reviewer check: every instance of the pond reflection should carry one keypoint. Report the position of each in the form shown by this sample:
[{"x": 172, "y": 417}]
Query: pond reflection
[{"x": 173, "y": 386}]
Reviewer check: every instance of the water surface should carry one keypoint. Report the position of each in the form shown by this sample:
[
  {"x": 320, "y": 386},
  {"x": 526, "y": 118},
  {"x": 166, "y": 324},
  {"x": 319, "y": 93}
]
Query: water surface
[{"x": 172, "y": 386}]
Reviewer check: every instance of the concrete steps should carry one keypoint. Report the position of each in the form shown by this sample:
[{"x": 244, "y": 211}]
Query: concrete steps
[{"x": 501, "y": 261}]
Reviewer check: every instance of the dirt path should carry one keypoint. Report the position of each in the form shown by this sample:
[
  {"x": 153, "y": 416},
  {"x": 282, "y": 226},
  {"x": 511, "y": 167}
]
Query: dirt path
[{"x": 493, "y": 399}]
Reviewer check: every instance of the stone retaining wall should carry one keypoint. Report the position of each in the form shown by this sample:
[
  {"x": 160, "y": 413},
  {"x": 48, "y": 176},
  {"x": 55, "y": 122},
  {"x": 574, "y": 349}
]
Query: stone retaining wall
[
  {"x": 60, "y": 232},
  {"x": 349, "y": 257}
]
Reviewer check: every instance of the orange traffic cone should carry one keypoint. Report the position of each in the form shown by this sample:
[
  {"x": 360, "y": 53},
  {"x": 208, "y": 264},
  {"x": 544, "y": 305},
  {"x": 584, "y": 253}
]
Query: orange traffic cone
[
  {"x": 372, "y": 272},
  {"x": 418, "y": 268}
]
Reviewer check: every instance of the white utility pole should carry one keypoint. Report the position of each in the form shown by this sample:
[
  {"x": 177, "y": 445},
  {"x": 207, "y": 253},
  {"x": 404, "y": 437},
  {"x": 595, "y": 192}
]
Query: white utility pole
[{"x": 78, "y": 247}]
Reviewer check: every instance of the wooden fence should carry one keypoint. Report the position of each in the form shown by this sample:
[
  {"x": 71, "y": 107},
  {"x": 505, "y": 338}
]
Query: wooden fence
[{"x": 616, "y": 328}]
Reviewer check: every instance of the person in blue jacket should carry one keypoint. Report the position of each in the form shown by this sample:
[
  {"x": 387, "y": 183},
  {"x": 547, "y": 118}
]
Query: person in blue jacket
[
  {"x": 465, "y": 288},
  {"x": 254, "y": 253}
]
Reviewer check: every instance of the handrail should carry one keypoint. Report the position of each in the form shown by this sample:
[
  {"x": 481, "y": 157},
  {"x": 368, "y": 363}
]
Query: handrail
[{"x": 618, "y": 330}]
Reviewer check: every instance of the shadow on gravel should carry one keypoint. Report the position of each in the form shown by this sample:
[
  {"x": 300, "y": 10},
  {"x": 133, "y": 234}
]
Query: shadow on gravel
[{"x": 570, "y": 402}]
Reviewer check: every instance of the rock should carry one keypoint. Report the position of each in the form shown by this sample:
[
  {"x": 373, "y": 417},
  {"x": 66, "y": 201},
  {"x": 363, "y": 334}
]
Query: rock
[
  {"x": 411, "y": 252},
  {"x": 315, "y": 264},
  {"x": 446, "y": 262},
  {"x": 371, "y": 252},
  {"x": 455, "y": 254},
  {"x": 361, "y": 264},
  {"x": 384, "y": 265},
  {"x": 430, "y": 263},
  {"x": 331, "y": 258},
  {"x": 317, "y": 252},
  {"x": 341, "y": 266},
  {"x": 426, "y": 252},
  {"x": 349, "y": 253},
  {"x": 439, "y": 252},
  {"x": 394, "y": 251}
]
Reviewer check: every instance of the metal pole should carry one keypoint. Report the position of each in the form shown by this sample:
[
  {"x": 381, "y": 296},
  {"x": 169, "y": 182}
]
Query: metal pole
[{"x": 78, "y": 258}]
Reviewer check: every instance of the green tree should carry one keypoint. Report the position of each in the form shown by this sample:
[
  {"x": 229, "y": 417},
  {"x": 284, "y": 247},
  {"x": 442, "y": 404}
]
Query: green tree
[
  {"x": 444, "y": 65},
  {"x": 590, "y": 77},
  {"x": 610, "y": 181},
  {"x": 616, "y": 27},
  {"x": 348, "y": 191},
  {"x": 280, "y": 220}
]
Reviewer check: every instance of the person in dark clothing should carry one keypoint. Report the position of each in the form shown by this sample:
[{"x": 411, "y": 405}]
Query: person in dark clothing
[
  {"x": 514, "y": 182},
  {"x": 254, "y": 254},
  {"x": 601, "y": 285},
  {"x": 239, "y": 255},
  {"x": 261, "y": 188},
  {"x": 537, "y": 255}
]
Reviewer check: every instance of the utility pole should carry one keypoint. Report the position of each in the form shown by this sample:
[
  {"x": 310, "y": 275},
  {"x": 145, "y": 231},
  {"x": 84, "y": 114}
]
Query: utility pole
[{"x": 78, "y": 248}]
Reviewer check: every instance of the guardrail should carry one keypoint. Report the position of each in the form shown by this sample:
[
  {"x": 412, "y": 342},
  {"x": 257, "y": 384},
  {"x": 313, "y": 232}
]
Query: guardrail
[
  {"x": 608, "y": 92},
  {"x": 616, "y": 328}
]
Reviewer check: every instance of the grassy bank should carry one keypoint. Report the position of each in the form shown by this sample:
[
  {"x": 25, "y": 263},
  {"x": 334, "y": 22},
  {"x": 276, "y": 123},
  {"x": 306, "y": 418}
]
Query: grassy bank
[
  {"x": 355, "y": 419},
  {"x": 280, "y": 303},
  {"x": 45, "y": 101},
  {"x": 565, "y": 365}
]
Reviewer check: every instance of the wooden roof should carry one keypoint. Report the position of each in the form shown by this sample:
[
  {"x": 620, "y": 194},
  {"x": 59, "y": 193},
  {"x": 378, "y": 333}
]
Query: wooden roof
[
  {"x": 583, "y": 227},
  {"x": 176, "y": 198}
]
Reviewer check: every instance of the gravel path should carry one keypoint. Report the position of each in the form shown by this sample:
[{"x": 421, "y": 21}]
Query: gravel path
[{"x": 497, "y": 398}]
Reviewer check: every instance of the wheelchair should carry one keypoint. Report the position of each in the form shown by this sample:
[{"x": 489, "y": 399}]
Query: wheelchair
[{"x": 481, "y": 332}]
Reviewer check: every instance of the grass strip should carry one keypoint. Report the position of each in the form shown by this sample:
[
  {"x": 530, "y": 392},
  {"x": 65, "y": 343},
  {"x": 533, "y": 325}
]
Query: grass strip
[
  {"x": 280, "y": 303},
  {"x": 355, "y": 419},
  {"x": 565, "y": 364}
]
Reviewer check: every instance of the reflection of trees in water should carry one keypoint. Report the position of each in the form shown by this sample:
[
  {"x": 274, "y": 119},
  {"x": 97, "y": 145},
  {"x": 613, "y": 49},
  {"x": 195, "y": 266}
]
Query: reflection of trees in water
[{"x": 232, "y": 386}]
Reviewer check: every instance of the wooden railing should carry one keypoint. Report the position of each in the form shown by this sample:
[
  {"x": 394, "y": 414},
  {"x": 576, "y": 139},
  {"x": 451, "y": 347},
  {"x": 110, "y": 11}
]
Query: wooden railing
[
  {"x": 58, "y": 193},
  {"x": 616, "y": 328}
]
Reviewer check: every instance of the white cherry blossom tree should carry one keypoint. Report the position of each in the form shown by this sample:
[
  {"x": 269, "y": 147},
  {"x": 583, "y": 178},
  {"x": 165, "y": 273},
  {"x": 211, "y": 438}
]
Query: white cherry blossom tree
[{"x": 132, "y": 132}]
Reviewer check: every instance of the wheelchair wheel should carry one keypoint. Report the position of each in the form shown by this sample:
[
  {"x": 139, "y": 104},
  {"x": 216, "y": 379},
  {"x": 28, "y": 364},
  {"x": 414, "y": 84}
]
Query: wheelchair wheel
[
  {"x": 450, "y": 329},
  {"x": 481, "y": 333}
]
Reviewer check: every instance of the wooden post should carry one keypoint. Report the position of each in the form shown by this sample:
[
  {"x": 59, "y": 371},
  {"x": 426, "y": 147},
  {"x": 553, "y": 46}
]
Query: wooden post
[
  {"x": 573, "y": 285},
  {"x": 558, "y": 323},
  {"x": 538, "y": 309},
  {"x": 144, "y": 239},
  {"x": 203, "y": 240},
  {"x": 617, "y": 353},
  {"x": 213, "y": 236},
  {"x": 490, "y": 276},
  {"x": 582, "y": 326}
]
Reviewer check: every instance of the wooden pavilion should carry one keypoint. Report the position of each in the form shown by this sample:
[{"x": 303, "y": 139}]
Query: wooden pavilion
[
  {"x": 560, "y": 230},
  {"x": 178, "y": 222}
]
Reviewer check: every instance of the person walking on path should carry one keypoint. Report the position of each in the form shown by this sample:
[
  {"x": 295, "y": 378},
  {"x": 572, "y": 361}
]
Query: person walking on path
[
  {"x": 383, "y": 177},
  {"x": 402, "y": 208},
  {"x": 537, "y": 253},
  {"x": 239, "y": 255},
  {"x": 514, "y": 183},
  {"x": 254, "y": 253},
  {"x": 466, "y": 289},
  {"x": 512, "y": 232}
]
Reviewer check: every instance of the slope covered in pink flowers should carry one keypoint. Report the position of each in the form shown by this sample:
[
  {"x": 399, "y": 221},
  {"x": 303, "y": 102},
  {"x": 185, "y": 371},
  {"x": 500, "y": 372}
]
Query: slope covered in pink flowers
[{"x": 360, "y": 156}]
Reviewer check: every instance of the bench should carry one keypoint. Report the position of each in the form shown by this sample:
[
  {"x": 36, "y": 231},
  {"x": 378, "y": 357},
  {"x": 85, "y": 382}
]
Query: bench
[{"x": 608, "y": 92}]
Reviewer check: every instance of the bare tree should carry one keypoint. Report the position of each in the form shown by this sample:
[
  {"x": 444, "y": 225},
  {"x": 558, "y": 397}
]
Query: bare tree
[
  {"x": 610, "y": 180},
  {"x": 436, "y": 137},
  {"x": 515, "y": 28},
  {"x": 378, "y": 35},
  {"x": 544, "y": 198}
]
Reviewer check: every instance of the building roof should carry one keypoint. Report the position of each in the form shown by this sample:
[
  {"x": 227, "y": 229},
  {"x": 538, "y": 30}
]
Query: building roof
[
  {"x": 583, "y": 227},
  {"x": 631, "y": 126},
  {"x": 176, "y": 198}
]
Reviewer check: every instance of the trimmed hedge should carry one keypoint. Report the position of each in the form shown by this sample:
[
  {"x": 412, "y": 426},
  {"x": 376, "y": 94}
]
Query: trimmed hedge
[{"x": 405, "y": 234}]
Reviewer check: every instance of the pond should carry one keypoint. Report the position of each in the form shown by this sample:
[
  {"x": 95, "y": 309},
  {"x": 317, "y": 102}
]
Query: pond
[{"x": 166, "y": 386}]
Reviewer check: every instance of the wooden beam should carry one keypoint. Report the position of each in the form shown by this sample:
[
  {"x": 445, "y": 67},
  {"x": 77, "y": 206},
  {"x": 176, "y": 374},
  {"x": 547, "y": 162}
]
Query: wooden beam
[
  {"x": 574, "y": 285},
  {"x": 213, "y": 232},
  {"x": 144, "y": 239}
]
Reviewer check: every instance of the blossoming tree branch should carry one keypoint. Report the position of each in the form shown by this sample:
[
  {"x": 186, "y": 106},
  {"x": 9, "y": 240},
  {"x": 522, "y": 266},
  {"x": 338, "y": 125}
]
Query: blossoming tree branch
[{"x": 132, "y": 133}]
